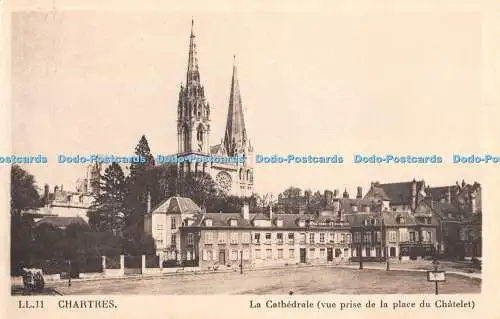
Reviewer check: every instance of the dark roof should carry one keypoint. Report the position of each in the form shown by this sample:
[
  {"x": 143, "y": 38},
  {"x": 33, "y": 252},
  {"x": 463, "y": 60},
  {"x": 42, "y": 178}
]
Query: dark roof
[
  {"x": 391, "y": 218},
  {"x": 60, "y": 222},
  {"x": 222, "y": 219},
  {"x": 441, "y": 192},
  {"x": 444, "y": 209},
  {"x": 347, "y": 204},
  {"x": 397, "y": 193}
]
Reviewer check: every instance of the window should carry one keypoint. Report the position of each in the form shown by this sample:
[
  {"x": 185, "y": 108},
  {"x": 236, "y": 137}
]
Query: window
[
  {"x": 222, "y": 238},
  {"x": 378, "y": 252},
  {"x": 392, "y": 252},
  {"x": 378, "y": 237},
  {"x": 233, "y": 222},
  {"x": 322, "y": 237},
  {"x": 403, "y": 235},
  {"x": 234, "y": 238},
  {"x": 429, "y": 236},
  {"x": 322, "y": 253},
  {"x": 349, "y": 239},
  {"x": 256, "y": 238},
  {"x": 245, "y": 238},
  {"x": 190, "y": 239},
  {"x": 280, "y": 253},
  {"x": 291, "y": 253},
  {"x": 257, "y": 254},
  {"x": 366, "y": 238},
  {"x": 208, "y": 222},
  {"x": 279, "y": 237},
  {"x": 312, "y": 252},
  {"x": 233, "y": 254},
  {"x": 357, "y": 237},
  {"x": 429, "y": 220},
  {"x": 173, "y": 224},
  {"x": 209, "y": 237},
  {"x": 302, "y": 238},
  {"x": 342, "y": 238},
  {"x": 290, "y": 238},
  {"x": 173, "y": 240},
  {"x": 159, "y": 227},
  {"x": 188, "y": 255},
  {"x": 412, "y": 236},
  {"x": 159, "y": 241},
  {"x": 367, "y": 252},
  {"x": 207, "y": 255},
  {"x": 269, "y": 253},
  {"x": 346, "y": 252},
  {"x": 392, "y": 236},
  {"x": 311, "y": 238},
  {"x": 332, "y": 237},
  {"x": 246, "y": 254},
  {"x": 268, "y": 237}
]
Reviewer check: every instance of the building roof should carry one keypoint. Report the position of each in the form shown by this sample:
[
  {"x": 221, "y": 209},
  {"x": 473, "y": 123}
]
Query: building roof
[
  {"x": 397, "y": 193},
  {"x": 444, "y": 209},
  {"x": 347, "y": 205},
  {"x": 177, "y": 205},
  {"x": 60, "y": 222}
]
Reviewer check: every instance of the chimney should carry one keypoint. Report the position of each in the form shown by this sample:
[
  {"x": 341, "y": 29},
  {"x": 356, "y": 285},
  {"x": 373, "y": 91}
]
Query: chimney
[
  {"x": 270, "y": 211},
  {"x": 336, "y": 193},
  {"x": 245, "y": 211},
  {"x": 346, "y": 194},
  {"x": 148, "y": 207},
  {"x": 61, "y": 187},
  {"x": 56, "y": 189},
  {"x": 413, "y": 194},
  {"x": 359, "y": 195}
]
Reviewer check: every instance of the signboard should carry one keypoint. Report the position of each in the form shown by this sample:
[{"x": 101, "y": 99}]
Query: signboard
[{"x": 433, "y": 275}]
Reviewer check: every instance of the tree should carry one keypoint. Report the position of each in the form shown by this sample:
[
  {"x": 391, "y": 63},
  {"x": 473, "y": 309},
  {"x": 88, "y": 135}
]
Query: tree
[
  {"x": 108, "y": 212},
  {"x": 23, "y": 190},
  {"x": 23, "y": 195},
  {"x": 139, "y": 183}
]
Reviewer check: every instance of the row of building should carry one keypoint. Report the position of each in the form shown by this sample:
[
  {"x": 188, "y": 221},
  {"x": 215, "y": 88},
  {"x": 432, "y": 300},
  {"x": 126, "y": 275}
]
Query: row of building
[{"x": 401, "y": 220}]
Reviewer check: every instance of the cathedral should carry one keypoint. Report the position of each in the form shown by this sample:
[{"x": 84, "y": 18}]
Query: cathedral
[{"x": 193, "y": 132}]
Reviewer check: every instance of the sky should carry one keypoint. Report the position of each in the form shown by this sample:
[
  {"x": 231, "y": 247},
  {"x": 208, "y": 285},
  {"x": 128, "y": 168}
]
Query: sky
[{"x": 319, "y": 82}]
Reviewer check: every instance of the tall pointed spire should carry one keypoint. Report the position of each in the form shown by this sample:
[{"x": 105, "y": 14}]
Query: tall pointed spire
[
  {"x": 235, "y": 138},
  {"x": 192, "y": 69}
]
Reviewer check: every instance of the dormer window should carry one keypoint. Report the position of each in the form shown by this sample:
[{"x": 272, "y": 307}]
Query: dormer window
[
  {"x": 208, "y": 222},
  {"x": 279, "y": 223},
  {"x": 233, "y": 222}
]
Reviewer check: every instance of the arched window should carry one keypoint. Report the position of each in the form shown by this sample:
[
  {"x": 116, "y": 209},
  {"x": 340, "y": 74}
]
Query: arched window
[
  {"x": 199, "y": 138},
  {"x": 185, "y": 138},
  {"x": 248, "y": 175},
  {"x": 199, "y": 134},
  {"x": 241, "y": 173}
]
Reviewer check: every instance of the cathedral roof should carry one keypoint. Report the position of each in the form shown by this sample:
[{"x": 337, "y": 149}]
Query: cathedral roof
[{"x": 236, "y": 136}]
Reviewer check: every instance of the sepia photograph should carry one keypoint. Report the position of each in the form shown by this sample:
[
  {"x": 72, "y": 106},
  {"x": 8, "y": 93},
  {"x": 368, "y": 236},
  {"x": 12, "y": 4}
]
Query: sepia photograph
[{"x": 266, "y": 151}]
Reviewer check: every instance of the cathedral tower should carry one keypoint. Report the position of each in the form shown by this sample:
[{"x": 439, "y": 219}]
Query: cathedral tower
[{"x": 193, "y": 112}]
